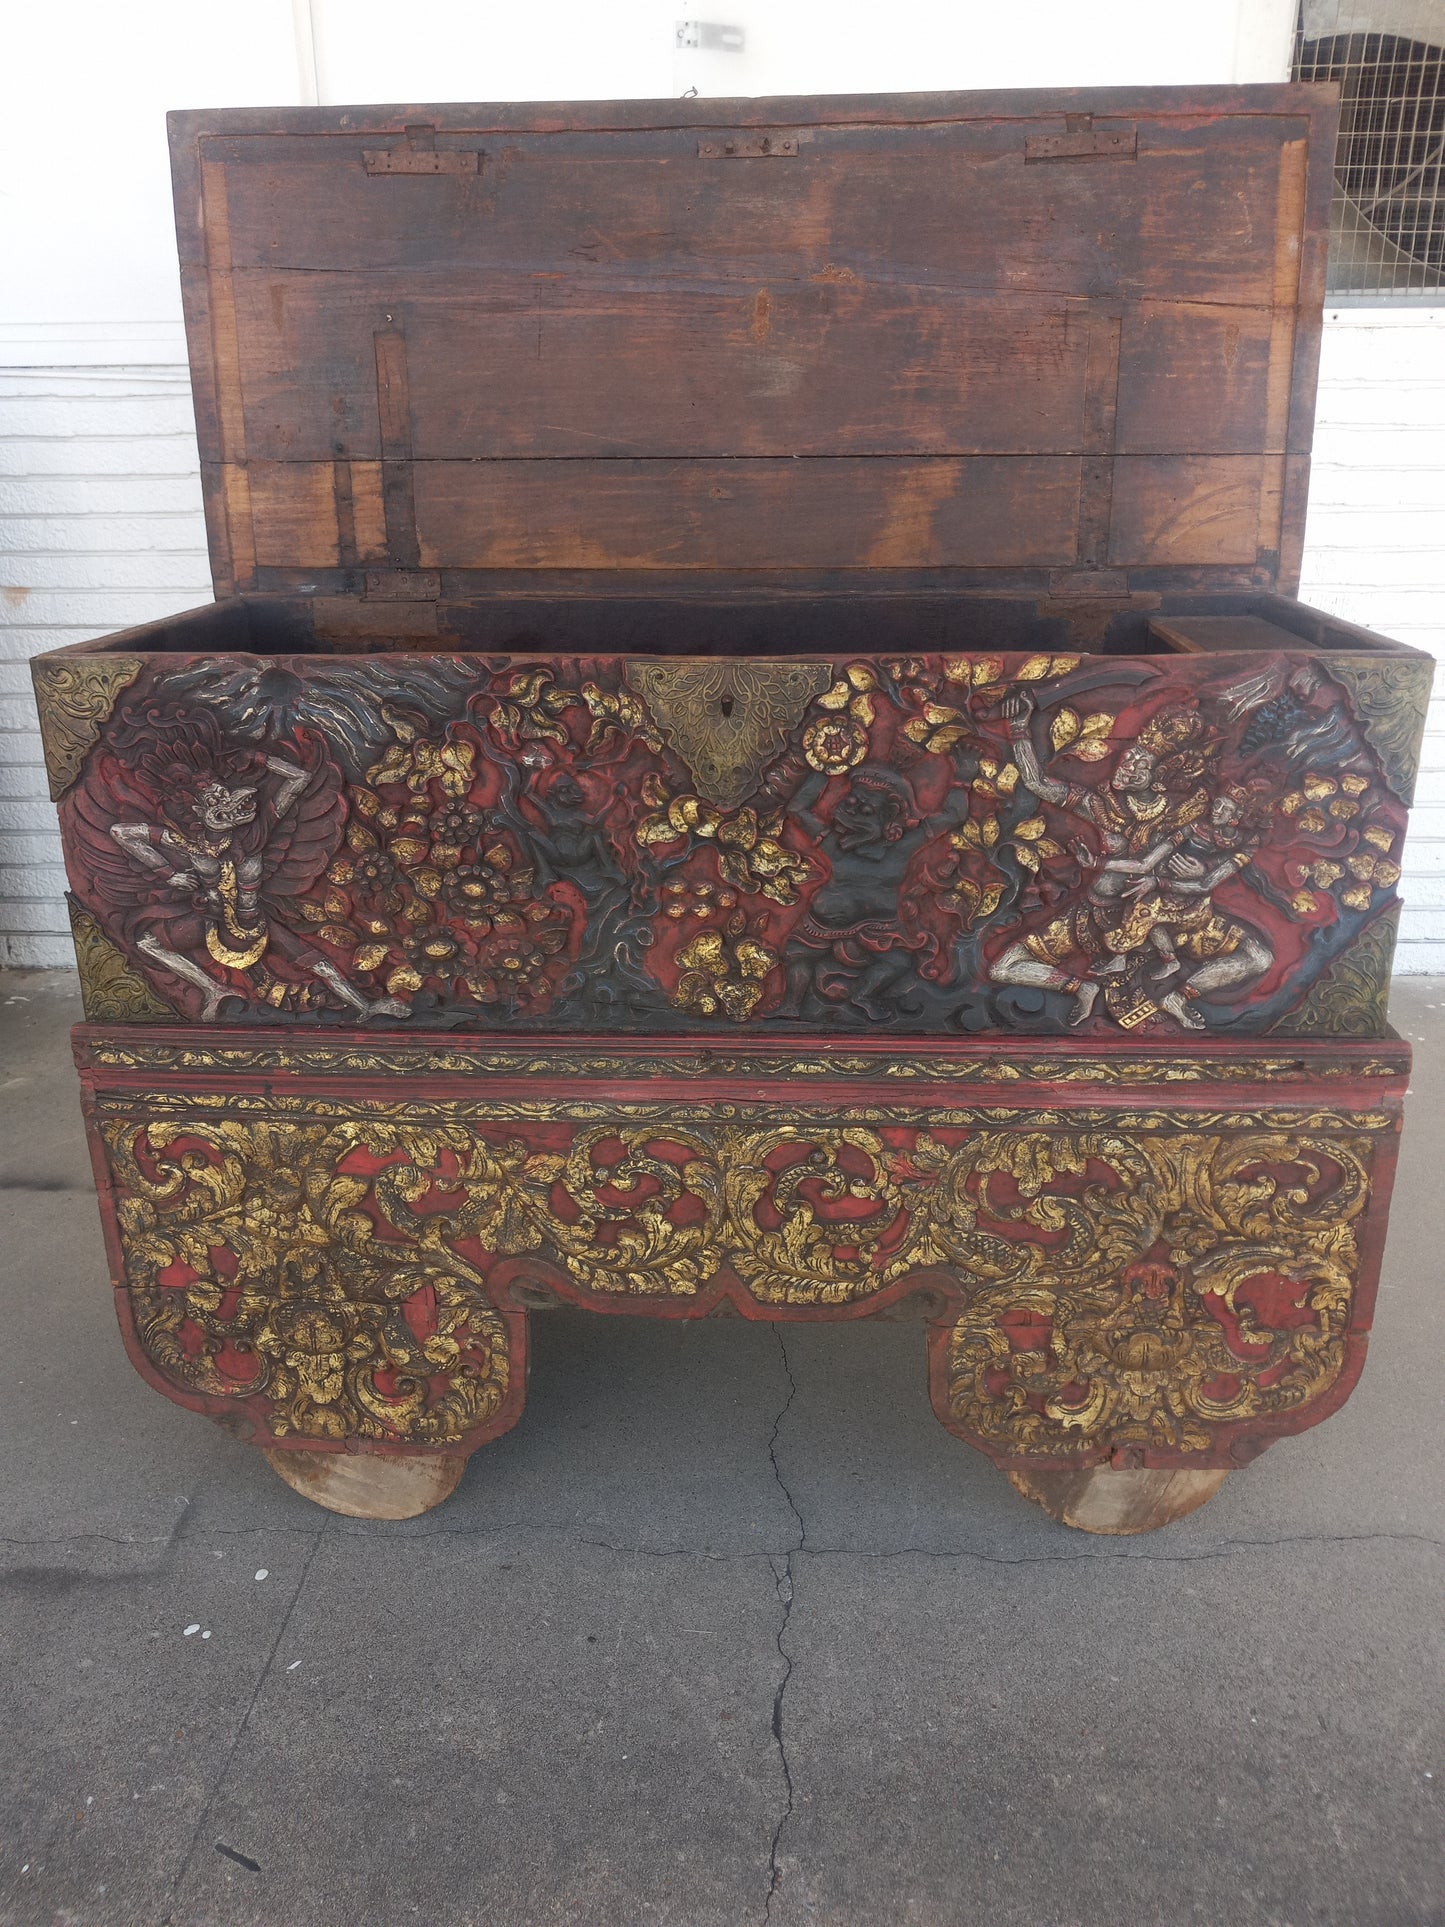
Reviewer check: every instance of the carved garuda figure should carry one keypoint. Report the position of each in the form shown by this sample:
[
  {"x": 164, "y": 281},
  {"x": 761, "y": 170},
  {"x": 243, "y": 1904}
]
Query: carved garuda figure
[{"x": 194, "y": 846}]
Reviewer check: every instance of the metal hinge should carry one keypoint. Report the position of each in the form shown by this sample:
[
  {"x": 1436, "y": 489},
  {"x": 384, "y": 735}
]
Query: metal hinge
[
  {"x": 419, "y": 154},
  {"x": 403, "y": 585},
  {"x": 747, "y": 147},
  {"x": 1082, "y": 143}
]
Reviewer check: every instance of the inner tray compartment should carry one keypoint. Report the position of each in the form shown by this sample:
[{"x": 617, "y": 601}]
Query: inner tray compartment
[{"x": 741, "y": 617}]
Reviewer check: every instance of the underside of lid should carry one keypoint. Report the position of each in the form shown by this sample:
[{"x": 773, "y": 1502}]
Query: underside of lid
[{"x": 1056, "y": 343}]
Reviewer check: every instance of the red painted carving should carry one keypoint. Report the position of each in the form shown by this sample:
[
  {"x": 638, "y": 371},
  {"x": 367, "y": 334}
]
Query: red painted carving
[{"x": 965, "y": 844}]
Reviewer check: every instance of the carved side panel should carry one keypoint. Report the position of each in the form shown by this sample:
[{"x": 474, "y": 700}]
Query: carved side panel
[{"x": 932, "y": 846}]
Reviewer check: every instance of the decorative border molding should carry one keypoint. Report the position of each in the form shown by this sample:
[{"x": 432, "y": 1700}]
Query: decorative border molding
[{"x": 312, "y": 1057}]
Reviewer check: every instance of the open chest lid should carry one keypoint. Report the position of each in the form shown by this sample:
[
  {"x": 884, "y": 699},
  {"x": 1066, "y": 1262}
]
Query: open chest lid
[{"x": 1050, "y": 343}]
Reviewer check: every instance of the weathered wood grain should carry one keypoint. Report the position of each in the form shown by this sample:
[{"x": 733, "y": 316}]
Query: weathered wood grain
[
  {"x": 494, "y": 352},
  {"x": 1100, "y": 1499},
  {"x": 365, "y": 1485},
  {"x": 1185, "y": 509}
]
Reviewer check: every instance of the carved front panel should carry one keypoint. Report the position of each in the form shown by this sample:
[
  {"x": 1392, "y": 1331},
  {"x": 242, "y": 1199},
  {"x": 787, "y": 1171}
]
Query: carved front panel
[
  {"x": 930, "y": 845},
  {"x": 1169, "y": 1285}
]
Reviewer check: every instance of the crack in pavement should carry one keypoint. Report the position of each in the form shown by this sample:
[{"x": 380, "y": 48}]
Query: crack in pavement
[
  {"x": 784, "y": 1581},
  {"x": 244, "y": 1721},
  {"x": 170, "y": 1541}
]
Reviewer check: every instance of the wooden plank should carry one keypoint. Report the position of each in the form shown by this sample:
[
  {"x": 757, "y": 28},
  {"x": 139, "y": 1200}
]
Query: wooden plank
[
  {"x": 1289, "y": 218},
  {"x": 345, "y": 509},
  {"x": 1175, "y": 509},
  {"x": 506, "y": 366},
  {"x": 196, "y": 307},
  {"x": 225, "y": 386},
  {"x": 368, "y": 509},
  {"x": 775, "y": 515},
  {"x": 293, "y": 511},
  {"x": 1312, "y": 198},
  {"x": 1192, "y": 380},
  {"x": 1289, "y": 221},
  {"x": 1209, "y": 635},
  {"x": 1156, "y": 104},
  {"x": 942, "y": 204},
  {"x": 1101, "y": 407},
  {"x": 393, "y": 393}
]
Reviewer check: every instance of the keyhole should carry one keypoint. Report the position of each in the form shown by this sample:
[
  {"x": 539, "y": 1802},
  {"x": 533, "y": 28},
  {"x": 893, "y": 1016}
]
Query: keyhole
[{"x": 726, "y": 705}]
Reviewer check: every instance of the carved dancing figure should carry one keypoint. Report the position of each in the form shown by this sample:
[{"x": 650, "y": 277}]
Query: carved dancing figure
[
  {"x": 1226, "y": 953},
  {"x": 850, "y": 947},
  {"x": 1142, "y": 818},
  {"x": 194, "y": 846}
]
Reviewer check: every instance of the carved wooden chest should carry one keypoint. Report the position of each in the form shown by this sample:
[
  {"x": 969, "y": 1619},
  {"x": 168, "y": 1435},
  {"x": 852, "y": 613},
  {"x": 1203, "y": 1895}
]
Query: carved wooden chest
[{"x": 754, "y": 751}]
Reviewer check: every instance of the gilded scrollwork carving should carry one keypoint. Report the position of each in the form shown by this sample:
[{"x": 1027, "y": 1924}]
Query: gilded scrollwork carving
[
  {"x": 254, "y": 1275},
  {"x": 74, "y": 696},
  {"x": 110, "y": 991},
  {"x": 1114, "y": 1285},
  {"x": 1217, "y": 1288}
]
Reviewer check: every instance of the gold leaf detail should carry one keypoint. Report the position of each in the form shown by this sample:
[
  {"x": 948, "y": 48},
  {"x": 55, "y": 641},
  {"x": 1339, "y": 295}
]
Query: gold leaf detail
[
  {"x": 74, "y": 696},
  {"x": 1100, "y": 1335},
  {"x": 111, "y": 991},
  {"x": 726, "y": 720}
]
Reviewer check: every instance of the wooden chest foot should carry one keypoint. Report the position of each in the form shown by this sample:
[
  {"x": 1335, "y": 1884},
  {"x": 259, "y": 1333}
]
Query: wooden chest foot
[
  {"x": 1099, "y": 1499},
  {"x": 364, "y": 1485}
]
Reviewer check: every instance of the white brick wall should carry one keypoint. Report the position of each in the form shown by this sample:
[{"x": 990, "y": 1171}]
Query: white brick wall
[
  {"x": 100, "y": 526},
  {"x": 1375, "y": 542}
]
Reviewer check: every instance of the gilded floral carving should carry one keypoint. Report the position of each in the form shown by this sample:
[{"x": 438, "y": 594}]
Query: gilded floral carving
[
  {"x": 1113, "y": 1285},
  {"x": 1215, "y": 1287},
  {"x": 254, "y": 1276}
]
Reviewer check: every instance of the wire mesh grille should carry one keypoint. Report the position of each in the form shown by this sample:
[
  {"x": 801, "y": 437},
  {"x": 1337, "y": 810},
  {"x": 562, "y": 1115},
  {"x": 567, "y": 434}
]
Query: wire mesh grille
[{"x": 1387, "y": 224}]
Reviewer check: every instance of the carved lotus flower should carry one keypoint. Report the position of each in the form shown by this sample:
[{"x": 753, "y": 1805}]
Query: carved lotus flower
[{"x": 834, "y": 745}]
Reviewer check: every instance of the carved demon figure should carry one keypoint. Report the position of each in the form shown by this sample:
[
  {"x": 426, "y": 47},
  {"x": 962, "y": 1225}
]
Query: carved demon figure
[
  {"x": 853, "y": 946},
  {"x": 193, "y": 846}
]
